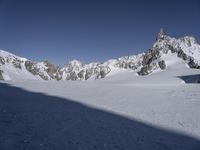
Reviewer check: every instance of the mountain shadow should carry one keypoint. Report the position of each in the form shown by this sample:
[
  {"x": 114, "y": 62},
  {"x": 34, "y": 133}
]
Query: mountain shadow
[
  {"x": 35, "y": 121},
  {"x": 190, "y": 78}
]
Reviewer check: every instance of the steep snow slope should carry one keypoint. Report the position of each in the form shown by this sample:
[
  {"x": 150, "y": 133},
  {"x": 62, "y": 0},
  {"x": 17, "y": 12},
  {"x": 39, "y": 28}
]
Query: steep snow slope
[
  {"x": 13, "y": 67},
  {"x": 189, "y": 46}
]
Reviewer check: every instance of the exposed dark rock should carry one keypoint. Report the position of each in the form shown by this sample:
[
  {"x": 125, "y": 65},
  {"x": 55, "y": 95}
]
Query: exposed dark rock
[
  {"x": 17, "y": 63},
  {"x": 145, "y": 70},
  {"x": 192, "y": 64},
  {"x": 30, "y": 67},
  {"x": 34, "y": 70},
  {"x": 2, "y": 60},
  {"x": 155, "y": 53},
  {"x": 73, "y": 76},
  {"x": 173, "y": 50},
  {"x": 1, "y": 75},
  {"x": 123, "y": 63},
  {"x": 53, "y": 71},
  {"x": 88, "y": 74},
  {"x": 182, "y": 55},
  {"x": 81, "y": 74},
  {"x": 102, "y": 71},
  {"x": 162, "y": 65},
  {"x": 150, "y": 56},
  {"x": 147, "y": 59}
]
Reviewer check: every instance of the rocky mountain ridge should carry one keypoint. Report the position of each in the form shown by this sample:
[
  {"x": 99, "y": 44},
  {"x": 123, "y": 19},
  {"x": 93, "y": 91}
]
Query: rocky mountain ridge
[{"x": 186, "y": 48}]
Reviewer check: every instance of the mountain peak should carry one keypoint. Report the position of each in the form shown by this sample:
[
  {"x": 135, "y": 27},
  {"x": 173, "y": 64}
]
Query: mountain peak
[
  {"x": 159, "y": 57},
  {"x": 160, "y": 34}
]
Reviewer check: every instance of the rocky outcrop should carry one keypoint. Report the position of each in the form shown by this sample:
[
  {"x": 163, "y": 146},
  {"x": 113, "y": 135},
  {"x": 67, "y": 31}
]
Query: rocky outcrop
[
  {"x": 102, "y": 71},
  {"x": 182, "y": 55},
  {"x": 76, "y": 70},
  {"x": 2, "y": 60},
  {"x": 1, "y": 75},
  {"x": 17, "y": 63},
  {"x": 148, "y": 69},
  {"x": 32, "y": 67},
  {"x": 185, "y": 48},
  {"x": 162, "y": 65},
  {"x": 193, "y": 64},
  {"x": 52, "y": 70},
  {"x": 145, "y": 70}
]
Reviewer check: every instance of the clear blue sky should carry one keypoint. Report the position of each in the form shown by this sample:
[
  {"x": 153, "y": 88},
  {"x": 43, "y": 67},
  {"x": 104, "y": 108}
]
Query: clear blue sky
[{"x": 91, "y": 30}]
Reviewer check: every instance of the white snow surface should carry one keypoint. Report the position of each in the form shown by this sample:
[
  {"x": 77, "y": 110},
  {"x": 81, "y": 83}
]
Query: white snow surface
[
  {"x": 122, "y": 111},
  {"x": 161, "y": 100}
]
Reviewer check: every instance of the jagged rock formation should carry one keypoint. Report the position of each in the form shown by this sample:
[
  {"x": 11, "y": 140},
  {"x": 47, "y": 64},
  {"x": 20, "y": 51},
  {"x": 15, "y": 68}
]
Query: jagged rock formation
[
  {"x": 1, "y": 76},
  {"x": 185, "y": 48},
  {"x": 76, "y": 70},
  {"x": 162, "y": 64},
  {"x": 44, "y": 69}
]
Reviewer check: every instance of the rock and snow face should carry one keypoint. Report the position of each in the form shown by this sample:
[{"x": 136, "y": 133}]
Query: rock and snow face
[
  {"x": 185, "y": 48},
  {"x": 153, "y": 60},
  {"x": 76, "y": 70},
  {"x": 13, "y": 67}
]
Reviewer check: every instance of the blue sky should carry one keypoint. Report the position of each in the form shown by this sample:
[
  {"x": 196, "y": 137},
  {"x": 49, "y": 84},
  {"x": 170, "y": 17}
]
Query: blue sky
[{"x": 91, "y": 30}]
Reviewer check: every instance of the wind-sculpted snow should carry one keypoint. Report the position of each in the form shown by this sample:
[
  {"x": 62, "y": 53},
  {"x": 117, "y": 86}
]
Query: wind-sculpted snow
[{"x": 153, "y": 60}]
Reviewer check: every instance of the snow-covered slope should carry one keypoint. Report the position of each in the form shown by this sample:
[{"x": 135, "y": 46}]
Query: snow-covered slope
[
  {"x": 164, "y": 53},
  {"x": 119, "y": 112},
  {"x": 13, "y": 67}
]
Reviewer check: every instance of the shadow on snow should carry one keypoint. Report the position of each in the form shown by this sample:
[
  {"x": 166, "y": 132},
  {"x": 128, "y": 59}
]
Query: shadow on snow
[
  {"x": 190, "y": 78},
  {"x": 35, "y": 121}
]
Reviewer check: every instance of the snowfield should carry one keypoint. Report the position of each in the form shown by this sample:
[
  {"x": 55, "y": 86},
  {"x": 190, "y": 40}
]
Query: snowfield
[
  {"x": 121, "y": 112},
  {"x": 149, "y": 101}
]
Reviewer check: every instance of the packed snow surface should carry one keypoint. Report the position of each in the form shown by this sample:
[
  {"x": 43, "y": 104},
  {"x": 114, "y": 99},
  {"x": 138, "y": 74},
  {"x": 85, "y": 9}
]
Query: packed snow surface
[{"x": 123, "y": 111}]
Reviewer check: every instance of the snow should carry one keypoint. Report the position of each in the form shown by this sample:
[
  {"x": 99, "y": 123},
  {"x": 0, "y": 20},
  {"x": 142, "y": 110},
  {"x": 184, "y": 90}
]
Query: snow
[
  {"x": 76, "y": 70},
  {"x": 8, "y": 54},
  {"x": 12, "y": 73},
  {"x": 122, "y": 111},
  {"x": 188, "y": 45}
]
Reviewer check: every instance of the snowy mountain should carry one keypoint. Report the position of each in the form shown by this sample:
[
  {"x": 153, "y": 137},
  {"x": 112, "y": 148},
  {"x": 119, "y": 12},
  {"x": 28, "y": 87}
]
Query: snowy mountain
[
  {"x": 165, "y": 52},
  {"x": 13, "y": 67},
  {"x": 142, "y": 102}
]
